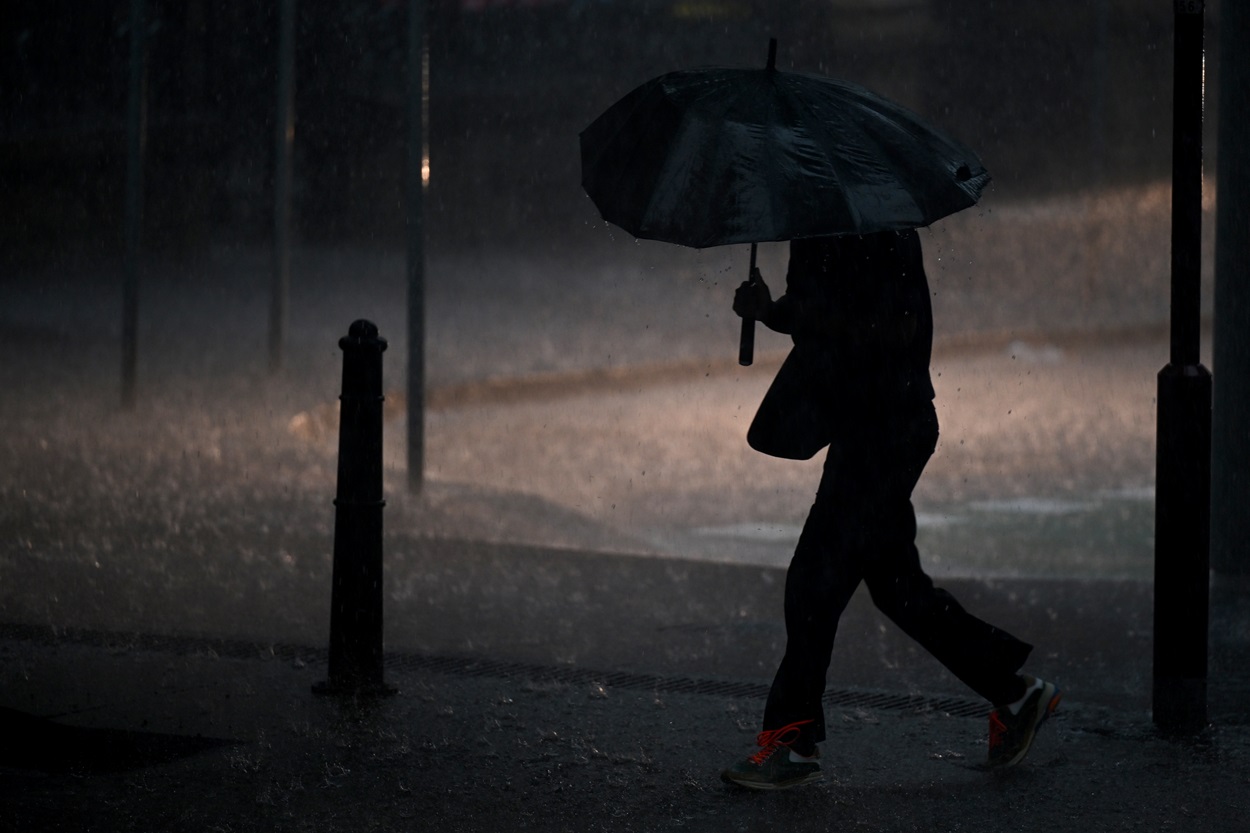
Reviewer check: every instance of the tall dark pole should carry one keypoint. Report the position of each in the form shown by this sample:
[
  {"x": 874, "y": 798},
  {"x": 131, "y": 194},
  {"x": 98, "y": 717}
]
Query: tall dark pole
[
  {"x": 415, "y": 201},
  {"x": 284, "y": 140},
  {"x": 1230, "y": 476},
  {"x": 136, "y": 131},
  {"x": 1183, "y": 467},
  {"x": 356, "y": 597}
]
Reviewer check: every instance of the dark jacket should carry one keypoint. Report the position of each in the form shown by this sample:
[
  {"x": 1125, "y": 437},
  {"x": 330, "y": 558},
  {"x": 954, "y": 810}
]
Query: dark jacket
[{"x": 858, "y": 311}]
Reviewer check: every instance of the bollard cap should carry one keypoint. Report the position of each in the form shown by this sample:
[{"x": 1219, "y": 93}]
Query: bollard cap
[{"x": 362, "y": 335}]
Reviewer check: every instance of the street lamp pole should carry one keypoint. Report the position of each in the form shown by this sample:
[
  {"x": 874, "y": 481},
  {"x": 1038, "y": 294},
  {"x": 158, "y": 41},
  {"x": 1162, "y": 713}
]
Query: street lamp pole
[
  {"x": 415, "y": 225},
  {"x": 284, "y": 138},
  {"x": 136, "y": 134},
  {"x": 1183, "y": 462}
]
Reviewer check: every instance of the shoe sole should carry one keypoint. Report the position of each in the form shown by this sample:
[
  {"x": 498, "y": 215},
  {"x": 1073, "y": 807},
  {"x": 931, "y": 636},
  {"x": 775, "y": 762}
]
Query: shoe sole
[
  {"x": 770, "y": 785},
  {"x": 1047, "y": 708}
]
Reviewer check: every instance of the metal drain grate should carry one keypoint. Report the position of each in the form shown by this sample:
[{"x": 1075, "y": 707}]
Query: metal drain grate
[
  {"x": 404, "y": 664},
  {"x": 572, "y": 675},
  {"x": 181, "y": 645},
  {"x": 568, "y": 675}
]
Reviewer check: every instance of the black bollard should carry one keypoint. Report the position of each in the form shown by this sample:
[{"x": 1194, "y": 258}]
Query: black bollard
[{"x": 356, "y": 592}]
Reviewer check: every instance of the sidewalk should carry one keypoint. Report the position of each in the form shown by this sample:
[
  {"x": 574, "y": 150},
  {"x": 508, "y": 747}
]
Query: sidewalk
[{"x": 572, "y": 691}]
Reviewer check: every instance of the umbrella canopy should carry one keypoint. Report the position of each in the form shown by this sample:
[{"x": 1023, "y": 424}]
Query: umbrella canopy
[{"x": 713, "y": 156}]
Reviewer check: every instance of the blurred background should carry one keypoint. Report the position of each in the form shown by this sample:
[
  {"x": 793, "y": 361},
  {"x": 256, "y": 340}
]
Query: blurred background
[
  {"x": 1058, "y": 98},
  {"x": 582, "y": 388}
]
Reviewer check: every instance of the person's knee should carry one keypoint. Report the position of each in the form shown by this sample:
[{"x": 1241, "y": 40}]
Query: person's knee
[{"x": 906, "y": 594}]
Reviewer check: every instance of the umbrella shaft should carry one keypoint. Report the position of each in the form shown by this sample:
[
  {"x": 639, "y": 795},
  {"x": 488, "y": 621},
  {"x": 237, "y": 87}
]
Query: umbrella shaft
[{"x": 746, "y": 341}]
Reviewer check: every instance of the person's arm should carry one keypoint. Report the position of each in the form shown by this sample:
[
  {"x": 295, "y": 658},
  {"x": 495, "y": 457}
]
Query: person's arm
[
  {"x": 781, "y": 316},
  {"x": 753, "y": 299},
  {"x": 891, "y": 326}
]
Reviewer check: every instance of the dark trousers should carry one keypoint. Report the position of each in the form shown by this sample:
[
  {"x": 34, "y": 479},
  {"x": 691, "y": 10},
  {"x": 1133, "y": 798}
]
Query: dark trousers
[{"x": 862, "y": 527}]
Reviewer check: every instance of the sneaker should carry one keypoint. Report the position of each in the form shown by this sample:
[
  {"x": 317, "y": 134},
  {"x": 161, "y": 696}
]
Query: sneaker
[
  {"x": 1011, "y": 735},
  {"x": 775, "y": 766}
]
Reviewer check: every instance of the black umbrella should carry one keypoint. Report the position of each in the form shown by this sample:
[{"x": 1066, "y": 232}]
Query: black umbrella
[{"x": 713, "y": 156}]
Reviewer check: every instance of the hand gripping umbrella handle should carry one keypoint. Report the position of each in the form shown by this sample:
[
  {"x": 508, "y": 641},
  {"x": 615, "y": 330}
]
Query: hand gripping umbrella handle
[{"x": 746, "y": 342}]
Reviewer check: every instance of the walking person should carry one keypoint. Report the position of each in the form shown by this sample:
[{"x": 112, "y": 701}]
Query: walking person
[{"x": 857, "y": 381}]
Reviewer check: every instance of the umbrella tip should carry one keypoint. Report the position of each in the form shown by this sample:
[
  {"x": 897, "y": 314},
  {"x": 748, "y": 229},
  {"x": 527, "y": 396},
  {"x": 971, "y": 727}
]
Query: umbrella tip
[{"x": 772, "y": 53}]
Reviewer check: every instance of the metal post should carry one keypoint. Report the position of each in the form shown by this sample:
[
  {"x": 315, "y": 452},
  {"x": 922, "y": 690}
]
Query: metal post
[
  {"x": 1183, "y": 463},
  {"x": 356, "y": 592},
  {"x": 415, "y": 197},
  {"x": 136, "y": 131},
  {"x": 284, "y": 139},
  {"x": 1230, "y": 476}
]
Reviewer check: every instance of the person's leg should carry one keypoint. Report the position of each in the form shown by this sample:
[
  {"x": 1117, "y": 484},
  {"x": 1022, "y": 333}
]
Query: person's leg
[
  {"x": 987, "y": 659},
  {"x": 822, "y": 577},
  {"x": 984, "y": 657}
]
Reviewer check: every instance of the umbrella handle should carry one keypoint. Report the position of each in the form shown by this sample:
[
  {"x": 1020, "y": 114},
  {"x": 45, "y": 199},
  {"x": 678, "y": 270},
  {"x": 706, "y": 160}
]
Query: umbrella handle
[{"x": 746, "y": 341}]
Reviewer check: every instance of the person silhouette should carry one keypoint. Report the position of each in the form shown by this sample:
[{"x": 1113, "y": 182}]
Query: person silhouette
[{"x": 857, "y": 381}]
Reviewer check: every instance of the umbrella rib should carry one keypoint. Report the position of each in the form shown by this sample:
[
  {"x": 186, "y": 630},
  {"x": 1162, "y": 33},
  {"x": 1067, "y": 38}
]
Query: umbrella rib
[
  {"x": 670, "y": 171},
  {"x": 770, "y": 163},
  {"x": 902, "y": 121},
  {"x": 906, "y": 128},
  {"x": 885, "y": 116},
  {"x": 619, "y": 134},
  {"x": 728, "y": 190},
  {"x": 919, "y": 133},
  {"x": 718, "y": 188},
  {"x": 831, "y": 160}
]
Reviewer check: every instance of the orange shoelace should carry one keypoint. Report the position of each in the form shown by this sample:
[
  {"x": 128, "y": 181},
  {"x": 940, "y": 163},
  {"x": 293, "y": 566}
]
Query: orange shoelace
[
  {"x": 771, "y": 740},
  {"x": 997, "y": 729}
]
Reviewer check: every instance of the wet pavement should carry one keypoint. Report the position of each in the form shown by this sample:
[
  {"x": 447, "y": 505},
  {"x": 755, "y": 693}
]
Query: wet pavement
[
  {"x": 562, "y": 690},
  {"x": 583, "y": 605}
]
